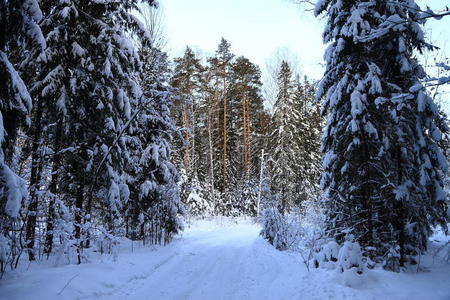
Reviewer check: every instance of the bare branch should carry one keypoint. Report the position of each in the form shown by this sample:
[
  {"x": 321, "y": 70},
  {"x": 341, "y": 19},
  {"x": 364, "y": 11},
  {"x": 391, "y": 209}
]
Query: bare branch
[{"x": 153, "y": 19}]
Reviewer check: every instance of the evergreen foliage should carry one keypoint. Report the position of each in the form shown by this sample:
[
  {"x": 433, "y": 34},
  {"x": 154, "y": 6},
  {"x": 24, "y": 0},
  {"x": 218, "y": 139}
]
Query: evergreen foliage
[
  {"x": 97, "y": 157},
  {"x": 18, "y": 28},
  {"x": 294, "y": 141},
  {"x": 220, "y": 112},
  {"x": 382, "y": 163},
  {"x": 103, "y": 137}
]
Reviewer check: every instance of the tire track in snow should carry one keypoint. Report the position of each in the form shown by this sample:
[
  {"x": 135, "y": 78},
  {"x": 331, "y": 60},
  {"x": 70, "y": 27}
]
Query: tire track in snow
[
  {"x": 207, "y": 267},
  {"x": 132, "y": 283}
]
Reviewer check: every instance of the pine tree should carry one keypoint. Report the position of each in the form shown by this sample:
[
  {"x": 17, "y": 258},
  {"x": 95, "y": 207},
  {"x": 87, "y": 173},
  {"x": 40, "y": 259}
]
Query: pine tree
[
  {"x": 209, "y": 112},
  {"x": 246, "y": 84},
  {"x": 187, "y": 80},
  {"x": 245, "y": 104},
  {"x": 383, "y": 167},
  {"x": 221, "y": 111},
  {"x": 221, "y": 64}
]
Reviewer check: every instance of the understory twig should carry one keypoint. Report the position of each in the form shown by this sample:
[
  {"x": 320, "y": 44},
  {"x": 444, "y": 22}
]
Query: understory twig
[{"x": 68, "y": 282}]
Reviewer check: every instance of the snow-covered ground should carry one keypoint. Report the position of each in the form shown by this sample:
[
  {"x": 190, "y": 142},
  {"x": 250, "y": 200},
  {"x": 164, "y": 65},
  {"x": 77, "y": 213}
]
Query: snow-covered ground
[{"x": 215, "y": 259}]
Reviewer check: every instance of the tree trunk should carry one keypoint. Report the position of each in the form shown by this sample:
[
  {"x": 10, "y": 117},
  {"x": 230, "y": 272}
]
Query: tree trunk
[
  {"x": 400, "y": 218},
  {"x": 193, "y": 123},
  {"x": 225, "y": 137},
  {"x": 211, "y": 158},
  {"x": 34, "y": 182},
  {"x": 186, "y": 125},
  {"x": 367, "y": 199},
  {"x": 10, "y": 123},
  {"x": 244, "y": 118},
  {"x": 53, "y": 189},
  {"x": 78, "y": 219},
  {"x": 261, "y": 178}
]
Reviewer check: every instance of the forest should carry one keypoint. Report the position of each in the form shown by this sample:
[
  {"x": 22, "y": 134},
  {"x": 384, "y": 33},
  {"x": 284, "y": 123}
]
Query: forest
[{"x": 128, "y": 172}]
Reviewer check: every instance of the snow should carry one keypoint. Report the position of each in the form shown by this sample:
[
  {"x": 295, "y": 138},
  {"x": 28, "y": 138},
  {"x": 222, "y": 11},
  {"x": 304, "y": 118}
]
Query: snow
[
  {"x": 34, "y": 16},
  {"x": 145, "y": 189},
  {"x": 415, "y": 88},
  {"x": 64, "y": 13},
  {"x": 13, "y": 189},
  {"x": 319, "y": 7},
  {"x": 2, "y": 132},
  {"x": 349, "y": 262},
  {"x": 114, "y": 196},
  {"x": 357, "y": 104},
  {"x": 215, "y": 259},
  {"x": 77, "y": 50},
  {"x": 370, "y": 129},
  {"x": 107, "y": 69},
  {"x": 21, "y": 95},
  {"x": 328, "y": 159}
]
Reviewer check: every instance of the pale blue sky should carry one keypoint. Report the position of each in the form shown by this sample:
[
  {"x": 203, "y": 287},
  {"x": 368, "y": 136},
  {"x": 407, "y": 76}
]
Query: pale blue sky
[{"x": 257, "y": 28}]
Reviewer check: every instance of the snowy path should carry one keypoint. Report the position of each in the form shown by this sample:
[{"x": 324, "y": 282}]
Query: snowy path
[{"x": 213, "y": 262}]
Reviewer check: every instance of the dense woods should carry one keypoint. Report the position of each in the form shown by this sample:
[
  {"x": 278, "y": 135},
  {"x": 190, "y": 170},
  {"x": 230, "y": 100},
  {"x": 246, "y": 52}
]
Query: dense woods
[
  {"x": 226, "y": 130},
  {"x": 105, "y": 138},
  {"x": 88, "y": 130}
]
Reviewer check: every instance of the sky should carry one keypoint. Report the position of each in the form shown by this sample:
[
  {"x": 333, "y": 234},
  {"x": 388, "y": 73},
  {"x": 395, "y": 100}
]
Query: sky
[{"x": 257, "y": 29}]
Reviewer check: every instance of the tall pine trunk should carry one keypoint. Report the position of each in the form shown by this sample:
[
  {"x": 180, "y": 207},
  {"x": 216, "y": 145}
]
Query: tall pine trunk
[
  {"x": 186, "y": 125},
  {"x": 245, "y": 142},
  {"x": 211, "y": 158},
  {"x": 225, "y": 134}
]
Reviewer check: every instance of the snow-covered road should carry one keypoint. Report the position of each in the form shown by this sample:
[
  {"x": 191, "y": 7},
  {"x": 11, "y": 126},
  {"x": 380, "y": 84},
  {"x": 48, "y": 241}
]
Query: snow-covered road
[
  {"x": 212, "y": 261},
  {"x": 231, "y": 262}
]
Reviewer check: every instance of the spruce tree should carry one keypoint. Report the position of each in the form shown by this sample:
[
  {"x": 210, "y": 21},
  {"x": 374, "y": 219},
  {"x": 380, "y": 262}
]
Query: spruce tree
[
  {"x": 154, "y": 210},
  {"x": 89, "y": 83},
  {"x": 284, "y": 140},
  {"x": 383, "y": 166},
  {"x": 309, "y": 130},
  {"x": 19, "y": 28},
  {"x": 21, "y": 42}
]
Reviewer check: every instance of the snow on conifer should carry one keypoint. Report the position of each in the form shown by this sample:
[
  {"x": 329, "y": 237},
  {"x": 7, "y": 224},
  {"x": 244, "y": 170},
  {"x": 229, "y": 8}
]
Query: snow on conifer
[
  {"x": 383, "y": 166},
  {"x": 19, "y": 21}
]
